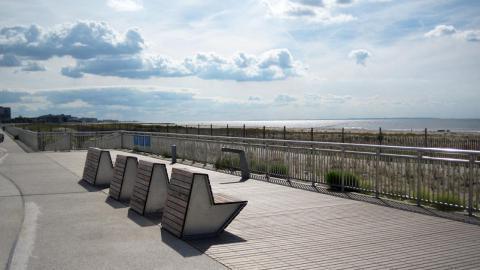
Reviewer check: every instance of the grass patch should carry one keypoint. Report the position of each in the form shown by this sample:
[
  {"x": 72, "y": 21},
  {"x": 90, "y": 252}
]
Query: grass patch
[
  {"x": 227, "y": 163},
  {"x": 278, "y": 169},
  {"x": 350, "y": 180}
]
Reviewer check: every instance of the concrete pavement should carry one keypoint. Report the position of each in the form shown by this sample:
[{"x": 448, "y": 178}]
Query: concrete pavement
[{"x": 51, "y": 221}]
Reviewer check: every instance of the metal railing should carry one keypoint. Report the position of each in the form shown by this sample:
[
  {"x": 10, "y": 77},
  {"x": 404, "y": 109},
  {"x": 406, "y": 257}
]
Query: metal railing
[
  {"x": 438, "y": 176},
  {"x": 414, "y": 138}
]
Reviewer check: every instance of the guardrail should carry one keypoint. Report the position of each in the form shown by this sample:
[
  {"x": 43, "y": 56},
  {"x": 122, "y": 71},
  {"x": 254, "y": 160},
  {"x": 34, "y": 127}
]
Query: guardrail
[{"x": 438, "y": 176}]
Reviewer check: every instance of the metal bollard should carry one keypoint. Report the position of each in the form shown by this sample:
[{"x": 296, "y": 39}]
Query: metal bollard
[{"x": 174, "y": 154}]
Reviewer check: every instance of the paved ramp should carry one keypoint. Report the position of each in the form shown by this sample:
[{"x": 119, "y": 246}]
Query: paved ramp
[{"x": 63, "y": 224}]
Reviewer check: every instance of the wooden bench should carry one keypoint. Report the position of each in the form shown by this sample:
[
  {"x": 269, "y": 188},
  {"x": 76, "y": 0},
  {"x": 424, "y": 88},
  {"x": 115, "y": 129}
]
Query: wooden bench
[
  {"x": 124, "y": 174},
  {"x": 98, "y": 168},
  {"x": 192, "y": 211},
  {"x": 150, "y": 190}
]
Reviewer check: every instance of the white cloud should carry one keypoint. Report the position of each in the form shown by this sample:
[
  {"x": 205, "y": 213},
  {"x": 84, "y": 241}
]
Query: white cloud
[
  {"x": 284, "y": 99},
  {"x": 76, "y": 104},
  {"x": 9, "y": 60},
  {"x": 310, "y": 11},
  {"x": 275, "y": 64},
  {"x": 450, "y": 30},
  {"x": 360, "y": 56},
  {"x": 33, "y": 66},
  {"x": 471, "y": 35},
  {"x": 441, "y": 30},
  {"x": 81, "y": 40},
  {"x": 125, "y": 5},
  {"x": 327, "y": 99}
]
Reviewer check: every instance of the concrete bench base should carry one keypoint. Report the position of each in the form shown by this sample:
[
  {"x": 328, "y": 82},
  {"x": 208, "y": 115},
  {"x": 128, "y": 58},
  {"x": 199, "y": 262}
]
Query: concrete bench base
[
  {"x": 192, "y": 211},
  {"x": 98, "y": 168},
  {"x": 150, "y": 191},
  {"x": 125, "y": 172}
]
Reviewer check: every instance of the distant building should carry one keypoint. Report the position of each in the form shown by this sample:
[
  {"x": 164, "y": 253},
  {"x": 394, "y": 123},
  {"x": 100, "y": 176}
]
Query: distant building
[{"x": 5, "y": 114}]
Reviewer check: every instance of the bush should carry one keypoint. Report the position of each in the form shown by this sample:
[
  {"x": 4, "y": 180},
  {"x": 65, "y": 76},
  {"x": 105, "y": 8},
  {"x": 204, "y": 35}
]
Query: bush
[
  {"x": 278, "y": 169},
  {"x": 166, "y": 155},
  {"x": 334, "y": 180},
  {"x": 441, "y": 201},
  {"x": 448, "y": 202},
  {"x": 227, "y": 163}
]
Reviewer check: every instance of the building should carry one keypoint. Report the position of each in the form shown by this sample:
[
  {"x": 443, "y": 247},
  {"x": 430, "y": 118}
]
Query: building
[{"x": 5, "y": 114}]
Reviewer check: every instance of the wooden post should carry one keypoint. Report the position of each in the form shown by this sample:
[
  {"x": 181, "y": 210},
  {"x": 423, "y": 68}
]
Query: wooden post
[
  {"x": 264, "y": 132},
  {"x": 311, "y": 134},
  {"x": 211, "y": 130},
  {"x": 284, "y": 132},
  {"x": 198, "y": 129},
  {"x": 228, "y": 131},
  {"x": 244, "y": 131},
  {"x": 380, "y": 136},
  {"x": 343, "y": 135},
  {"x": 425, "y": 140}
]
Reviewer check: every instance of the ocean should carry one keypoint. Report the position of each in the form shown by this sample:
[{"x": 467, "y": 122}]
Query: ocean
[{"x": 393, "y": 124}]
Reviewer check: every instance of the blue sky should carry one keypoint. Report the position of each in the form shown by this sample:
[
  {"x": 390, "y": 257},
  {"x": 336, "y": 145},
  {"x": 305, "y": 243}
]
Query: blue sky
[{"x": 241, "y": 60}]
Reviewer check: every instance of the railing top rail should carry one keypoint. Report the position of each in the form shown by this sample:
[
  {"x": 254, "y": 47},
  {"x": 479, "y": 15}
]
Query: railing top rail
[{"x": 312, "y": 143}]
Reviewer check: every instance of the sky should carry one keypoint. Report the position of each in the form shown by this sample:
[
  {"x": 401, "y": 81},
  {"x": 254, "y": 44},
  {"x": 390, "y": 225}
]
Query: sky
[{"x": 162, "y": 61}]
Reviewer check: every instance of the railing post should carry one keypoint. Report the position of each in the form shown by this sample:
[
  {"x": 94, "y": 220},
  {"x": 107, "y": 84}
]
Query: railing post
[
  {"x": 342, "y": 173},
  {"x": 311, "y": 134},
  {"x": 228, "y": 132},
  {"x": 377, "y": 172},
  {"x": 267, "y": 155},
  {"x": 70, "y": 141},
  {"x": 211, "y": 130},
  {"x": 121, "y": 139},
  {"x": 284, "y": 132},
  {"x": 343, "y": 135},
  {"x": 314, "y": 166},
  {"x": 264, "y": 132},
  {"x": 425, "y": 143},
  {"x": 470, "y": 184},
  {"x": 244, "y": 131},
  {"x": 198, "y": 129},
  {"x": 174, "y": 154},
  {"x": 288, "y": 162},
  {"x": 206, "y": 153},
  {"x": 420, "y": 176},
  {"x": 39, "y": 142}
]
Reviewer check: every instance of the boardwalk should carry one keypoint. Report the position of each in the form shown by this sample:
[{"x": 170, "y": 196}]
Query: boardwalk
[{"x": 281, "y": 228}]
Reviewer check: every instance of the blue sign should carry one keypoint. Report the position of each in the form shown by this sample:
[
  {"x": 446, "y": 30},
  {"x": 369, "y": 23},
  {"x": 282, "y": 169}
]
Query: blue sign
[{"x": 141, "y": 140}]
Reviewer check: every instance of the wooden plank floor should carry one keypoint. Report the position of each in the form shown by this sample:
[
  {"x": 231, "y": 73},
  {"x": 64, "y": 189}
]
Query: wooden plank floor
[{"x": 287, "y": 228}]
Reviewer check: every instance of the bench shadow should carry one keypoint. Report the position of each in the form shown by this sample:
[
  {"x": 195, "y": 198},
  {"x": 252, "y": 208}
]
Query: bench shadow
[
  {"x": 234, "y": 182},
  {"x": 88, "y": 187},
  {"x": 224, "y": 238},
  {"x": 200, "y": 245},
  {"x": 144, "y": 221},
  {"x": 115, "y": 204},
  {"x": 179, "y": 245}
]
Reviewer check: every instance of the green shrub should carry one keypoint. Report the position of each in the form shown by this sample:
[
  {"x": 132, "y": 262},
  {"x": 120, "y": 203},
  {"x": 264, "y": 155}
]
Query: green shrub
[
  {"x": 334, "y": 180},
  {"x": 447, "y": 202},
  {"x": 166, "y": 155},
  {"x": 258, "y": 167},
  {"x": 227, "y": 163},
  {"x": 278, "y": 169},
  {"x": 441, "y": 201}
]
